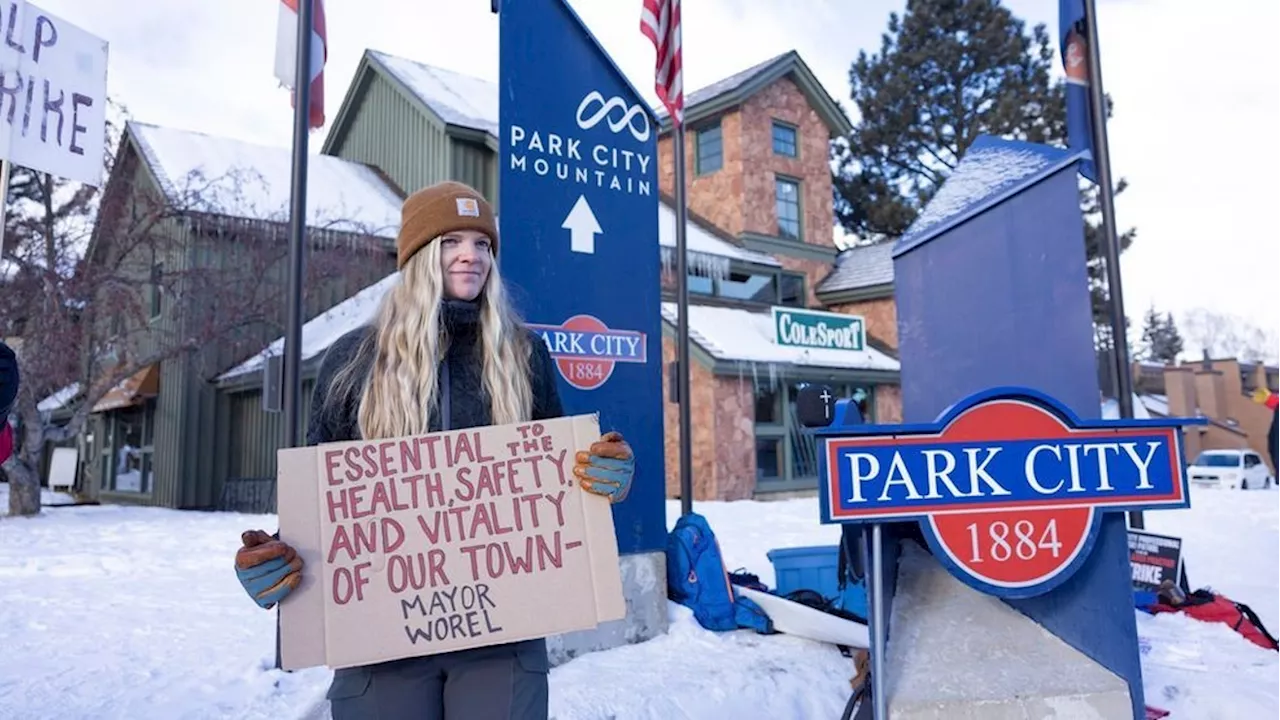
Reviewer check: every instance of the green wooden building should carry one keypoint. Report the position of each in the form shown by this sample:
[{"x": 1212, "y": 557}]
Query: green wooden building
[{"x": 166, "y": 436}]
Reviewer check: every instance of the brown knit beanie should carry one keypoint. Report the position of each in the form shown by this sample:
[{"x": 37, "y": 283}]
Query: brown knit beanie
[{"x": 438, "y": 209}]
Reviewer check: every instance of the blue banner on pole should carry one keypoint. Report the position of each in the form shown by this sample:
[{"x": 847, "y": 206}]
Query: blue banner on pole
[
  {"x": 578, "y": 212},
  {"x": 1073, "y": 40}
]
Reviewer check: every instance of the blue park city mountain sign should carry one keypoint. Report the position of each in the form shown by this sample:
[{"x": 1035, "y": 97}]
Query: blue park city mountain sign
[
  {"x": 1008, "y": 484},
  {"x": 578, "y": 211}
]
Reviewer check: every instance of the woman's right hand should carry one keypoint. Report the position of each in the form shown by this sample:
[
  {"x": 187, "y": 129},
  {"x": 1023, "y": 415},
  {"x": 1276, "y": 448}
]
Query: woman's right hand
[{"x": 268, "y": 569}]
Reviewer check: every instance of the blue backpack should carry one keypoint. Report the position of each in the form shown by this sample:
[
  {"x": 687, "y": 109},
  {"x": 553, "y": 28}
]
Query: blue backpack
[{"x": 697, "y": 579}]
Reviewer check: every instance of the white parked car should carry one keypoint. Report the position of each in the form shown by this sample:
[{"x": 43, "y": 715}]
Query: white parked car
[{"x": 1233, "y": 469}]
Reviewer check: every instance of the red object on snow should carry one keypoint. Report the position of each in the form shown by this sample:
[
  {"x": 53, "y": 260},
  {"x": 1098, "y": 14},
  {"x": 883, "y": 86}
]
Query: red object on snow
[
  {"x": 1154, "y": 713},
  {"x": 1212, "y": 607},
  {"x": 6, "y": 441}
]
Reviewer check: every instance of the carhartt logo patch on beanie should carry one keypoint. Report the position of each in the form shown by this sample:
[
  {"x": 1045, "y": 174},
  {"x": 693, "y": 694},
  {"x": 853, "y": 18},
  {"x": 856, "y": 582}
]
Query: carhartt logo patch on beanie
[{"x": 438, "y": 209}]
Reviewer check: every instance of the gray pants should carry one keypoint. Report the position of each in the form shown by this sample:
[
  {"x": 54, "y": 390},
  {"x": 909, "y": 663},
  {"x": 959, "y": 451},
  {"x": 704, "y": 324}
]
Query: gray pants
[{"x": 504, "y": 682}]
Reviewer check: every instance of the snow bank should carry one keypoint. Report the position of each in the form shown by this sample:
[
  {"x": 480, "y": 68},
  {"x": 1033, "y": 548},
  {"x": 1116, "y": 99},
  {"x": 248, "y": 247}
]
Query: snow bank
[{"x": 121, "y": 612}]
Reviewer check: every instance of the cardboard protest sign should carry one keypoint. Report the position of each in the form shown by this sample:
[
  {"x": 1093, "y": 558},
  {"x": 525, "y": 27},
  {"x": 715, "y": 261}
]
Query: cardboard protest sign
[{"x": 428, "y": 544}]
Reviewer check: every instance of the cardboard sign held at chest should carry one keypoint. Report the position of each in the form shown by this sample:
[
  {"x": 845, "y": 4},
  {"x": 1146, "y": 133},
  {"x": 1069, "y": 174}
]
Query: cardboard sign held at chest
[{"x": 451, "y": 540}]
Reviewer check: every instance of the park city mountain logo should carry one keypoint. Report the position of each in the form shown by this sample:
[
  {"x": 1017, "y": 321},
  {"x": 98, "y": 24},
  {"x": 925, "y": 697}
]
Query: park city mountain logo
[
  {"x": 586, "y": 350},
  {"x": 603, "y": 110}
]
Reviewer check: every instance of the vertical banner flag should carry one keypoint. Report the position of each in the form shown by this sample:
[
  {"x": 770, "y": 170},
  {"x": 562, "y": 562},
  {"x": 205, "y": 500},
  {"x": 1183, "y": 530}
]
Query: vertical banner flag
[
  {"x": 287, "y": 53},
  {"x": 1074, "y": 47},
  {"x": 660, "y": 22}
]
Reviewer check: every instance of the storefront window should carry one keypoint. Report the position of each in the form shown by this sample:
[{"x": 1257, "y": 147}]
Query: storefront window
[
  {"x": 786, "y": 452},
  {"x": 767, "y": 405},
  {"x": 131, "y": 433},
  {"x": 768, "y": 459}
]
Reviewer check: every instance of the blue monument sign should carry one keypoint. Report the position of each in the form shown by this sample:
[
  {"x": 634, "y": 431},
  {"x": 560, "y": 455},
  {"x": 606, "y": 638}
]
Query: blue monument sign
[
  {"x": 992, "y": 291},
  {"x": 1009, "y": 486},
  {"x": 578, "y": 212}
]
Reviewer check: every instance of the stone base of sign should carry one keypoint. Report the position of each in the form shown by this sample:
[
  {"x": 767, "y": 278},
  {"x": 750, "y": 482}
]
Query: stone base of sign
[
  {"x": 958, "y": 654},
  {"x": 644, "y": 584}
]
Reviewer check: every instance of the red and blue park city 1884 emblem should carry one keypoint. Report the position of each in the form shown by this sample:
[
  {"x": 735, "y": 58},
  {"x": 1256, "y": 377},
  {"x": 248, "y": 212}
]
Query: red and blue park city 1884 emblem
[
  {"x": 586, "y": 350},
  {"x": 1008, "y": 485}
]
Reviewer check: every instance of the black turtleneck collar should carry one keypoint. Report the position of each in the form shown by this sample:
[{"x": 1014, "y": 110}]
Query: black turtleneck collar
[{"x": 460, "y": 317}]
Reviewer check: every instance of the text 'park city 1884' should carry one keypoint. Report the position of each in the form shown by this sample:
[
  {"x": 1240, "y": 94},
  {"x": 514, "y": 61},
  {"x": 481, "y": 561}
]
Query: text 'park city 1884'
[{"x": 567, "y": 157}]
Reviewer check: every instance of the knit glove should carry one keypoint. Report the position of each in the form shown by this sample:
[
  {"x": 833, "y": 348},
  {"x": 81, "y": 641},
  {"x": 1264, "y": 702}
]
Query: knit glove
[
  {"x": 607, "y": 468},
  {"x": 267, "y": 568}
]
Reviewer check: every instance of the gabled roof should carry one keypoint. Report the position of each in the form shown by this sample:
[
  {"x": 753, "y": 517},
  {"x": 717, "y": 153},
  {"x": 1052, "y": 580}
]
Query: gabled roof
[
  {"x": 735, "y": 89},
  {"x": 458, "y": 99},
  {"x": 224, "y": 176},
  {"x": 991, "y": 171},
  {"x": 859, "y": 267},
  {"x": 459, "y": 102}
]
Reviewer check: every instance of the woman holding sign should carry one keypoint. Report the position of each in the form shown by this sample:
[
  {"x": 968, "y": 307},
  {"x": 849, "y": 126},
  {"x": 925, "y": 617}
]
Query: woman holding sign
[{"x": 446, "y": 351}]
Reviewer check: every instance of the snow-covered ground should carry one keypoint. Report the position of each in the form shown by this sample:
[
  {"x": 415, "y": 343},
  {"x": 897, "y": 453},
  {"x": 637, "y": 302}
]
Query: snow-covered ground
[{"x": 113, "y": 612}]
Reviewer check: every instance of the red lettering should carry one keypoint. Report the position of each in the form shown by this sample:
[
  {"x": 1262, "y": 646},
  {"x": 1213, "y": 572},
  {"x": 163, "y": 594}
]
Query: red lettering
[
  {"x": 341, "y": 541},
  {"x": 352, "y": 455},
  {"x": 330, "y": 465},
  {"x": 430, "y": 441},
  {"x": 339, "y": 504},
  {"x": 370, "y": 455},
  {"x": 343, "y": 587},
  {"x": 354, "y": 495},
  {"x": 388, "y": 467}
]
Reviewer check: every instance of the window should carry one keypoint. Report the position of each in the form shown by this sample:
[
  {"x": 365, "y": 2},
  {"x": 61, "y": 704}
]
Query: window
[
  {"x": 781, "y": 287},
  {"x": 709, "y": 150},
  {"x": 791, "y": 290},
  {"x": 787, "y": 193},
  {"x": 786, "y": 452},
  {"x": 769, "y": 455},
  {"x": 130, "y": 448},
  {"x": 784, "y": 139},
  {"x": 157, "y": 271}
]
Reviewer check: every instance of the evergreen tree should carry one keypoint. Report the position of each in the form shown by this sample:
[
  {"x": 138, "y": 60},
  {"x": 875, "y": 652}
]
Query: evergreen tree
[
  {"x": 948, "y": 71},
  {"x": 1161, "y": 341}
]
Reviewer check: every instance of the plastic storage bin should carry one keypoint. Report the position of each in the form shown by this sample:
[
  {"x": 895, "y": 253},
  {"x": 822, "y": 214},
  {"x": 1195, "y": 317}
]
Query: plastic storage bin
[{"x": 815, "y": 568}]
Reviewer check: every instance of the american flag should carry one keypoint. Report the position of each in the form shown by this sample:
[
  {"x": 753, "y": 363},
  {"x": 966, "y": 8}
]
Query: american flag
[
  {"x": 287, "y": 50},
  {"x": 660, "y": 22}
]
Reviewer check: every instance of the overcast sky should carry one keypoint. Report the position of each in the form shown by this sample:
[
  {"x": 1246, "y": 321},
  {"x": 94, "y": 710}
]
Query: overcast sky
[{"x": 1196, "y": 93}]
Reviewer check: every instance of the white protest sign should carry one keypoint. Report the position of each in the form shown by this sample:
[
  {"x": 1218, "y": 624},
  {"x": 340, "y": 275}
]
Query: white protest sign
[{"x": 53, "y": 94}]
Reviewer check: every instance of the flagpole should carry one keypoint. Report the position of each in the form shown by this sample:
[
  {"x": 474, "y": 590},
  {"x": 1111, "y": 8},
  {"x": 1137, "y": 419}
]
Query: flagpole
[
  {"x": 297, "y": 231},
  {"x": 682, "y": 325},
  {"x": 1110, "y": 241}
]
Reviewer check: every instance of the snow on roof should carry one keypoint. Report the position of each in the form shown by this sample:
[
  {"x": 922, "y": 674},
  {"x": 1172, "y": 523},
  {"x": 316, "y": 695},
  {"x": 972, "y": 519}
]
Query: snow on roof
[
  {"x": 734, "y": 334},
  {"x": 727, "y": 333},
  {"x": 225, "y": 176},
  {"x": 1158, "y": 404},
  {"x": 1111, "y": 409},
  {"x": 59, "y": 399},
  {"x": 706, "y": 251},
  {"x": 990, "y": 167},
  {"x": 458, "y": 99},
  {"x": 321, "y": 331}
]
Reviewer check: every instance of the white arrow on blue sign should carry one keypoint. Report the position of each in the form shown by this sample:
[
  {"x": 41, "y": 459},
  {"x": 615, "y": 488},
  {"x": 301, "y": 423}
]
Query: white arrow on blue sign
[{"x": 582, "y": 226}]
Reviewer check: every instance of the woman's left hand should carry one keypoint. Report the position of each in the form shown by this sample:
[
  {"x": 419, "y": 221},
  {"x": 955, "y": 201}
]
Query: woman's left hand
[{"x": 607, "y": 468}]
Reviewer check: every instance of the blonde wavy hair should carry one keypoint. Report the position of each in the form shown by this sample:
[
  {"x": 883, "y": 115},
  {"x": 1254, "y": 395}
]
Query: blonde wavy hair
[{"x": 409, "y": 342}]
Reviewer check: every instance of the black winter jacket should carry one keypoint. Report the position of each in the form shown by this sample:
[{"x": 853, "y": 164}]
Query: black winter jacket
[
  {"x": 333, "y": 419},
  {"x": 8, "y": 380}
]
